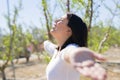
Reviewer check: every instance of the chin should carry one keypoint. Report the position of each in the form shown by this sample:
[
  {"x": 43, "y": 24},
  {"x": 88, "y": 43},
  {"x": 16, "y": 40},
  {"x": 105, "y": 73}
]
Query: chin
[{"x": 52, "y": 33}]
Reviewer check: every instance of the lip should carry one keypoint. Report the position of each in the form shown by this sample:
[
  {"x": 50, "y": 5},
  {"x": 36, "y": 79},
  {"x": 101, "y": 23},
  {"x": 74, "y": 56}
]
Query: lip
[{"x": 53, "y": 27}]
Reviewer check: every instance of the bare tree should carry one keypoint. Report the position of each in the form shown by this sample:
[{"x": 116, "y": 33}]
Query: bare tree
[
  {"x": 91, "y": 15},
  {"x": 68, "y": 5},
  {"x": 114, "y": 13},
  {"x": 47, "y": 16}
]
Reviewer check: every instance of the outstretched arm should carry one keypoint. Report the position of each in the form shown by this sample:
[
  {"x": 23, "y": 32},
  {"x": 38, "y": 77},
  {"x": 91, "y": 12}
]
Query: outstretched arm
[
  {"x": 49, "y": 47},
  {"x": 83, "y": 60}
]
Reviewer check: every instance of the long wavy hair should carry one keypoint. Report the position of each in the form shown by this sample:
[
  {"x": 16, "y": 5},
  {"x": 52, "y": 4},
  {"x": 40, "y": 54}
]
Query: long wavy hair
[{"x": 79, "y": 31}]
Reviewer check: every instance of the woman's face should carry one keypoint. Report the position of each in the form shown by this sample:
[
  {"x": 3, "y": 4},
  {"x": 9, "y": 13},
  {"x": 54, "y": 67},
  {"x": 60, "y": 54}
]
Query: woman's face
[{"x": 60, "y": 29}]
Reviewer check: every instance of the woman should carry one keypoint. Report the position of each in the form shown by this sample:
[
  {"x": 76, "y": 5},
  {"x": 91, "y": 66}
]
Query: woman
[{"x": 71, "y": 57}]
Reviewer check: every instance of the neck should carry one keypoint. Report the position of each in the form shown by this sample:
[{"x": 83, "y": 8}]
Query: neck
[{"x": 60, "y": 43}]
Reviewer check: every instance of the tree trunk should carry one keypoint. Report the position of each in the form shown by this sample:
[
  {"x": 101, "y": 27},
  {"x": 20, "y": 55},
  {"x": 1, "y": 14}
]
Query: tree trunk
[
  {"x": 68, "y": 5},
  {"x": 91, "y": 15},
  {"x": 3, "y": 74}
]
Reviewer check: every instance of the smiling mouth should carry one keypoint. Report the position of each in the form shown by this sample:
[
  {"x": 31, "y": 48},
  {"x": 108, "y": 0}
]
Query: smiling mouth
[{"x": 54, "y": 27}]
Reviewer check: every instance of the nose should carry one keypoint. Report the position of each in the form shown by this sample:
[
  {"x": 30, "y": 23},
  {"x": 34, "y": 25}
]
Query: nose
[{"x": 56, "y": 21}]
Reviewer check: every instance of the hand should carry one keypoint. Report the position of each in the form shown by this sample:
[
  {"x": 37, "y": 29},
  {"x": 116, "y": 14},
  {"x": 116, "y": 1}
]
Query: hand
[{"x": 83, "y": 61}]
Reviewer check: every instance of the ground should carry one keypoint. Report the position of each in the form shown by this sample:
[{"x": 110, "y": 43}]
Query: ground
[
  {"x": 30, "y": 71},
  {"x": 35, "y": 69}
]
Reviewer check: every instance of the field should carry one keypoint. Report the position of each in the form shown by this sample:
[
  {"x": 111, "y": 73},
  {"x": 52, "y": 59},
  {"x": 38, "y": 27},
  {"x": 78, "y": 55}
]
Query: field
[{"x": 35, "y": 69}]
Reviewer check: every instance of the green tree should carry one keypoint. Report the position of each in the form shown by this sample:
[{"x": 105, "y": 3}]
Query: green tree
[
  {"x": 8, "y": 41},
  {"x": 48, "y": 17}
]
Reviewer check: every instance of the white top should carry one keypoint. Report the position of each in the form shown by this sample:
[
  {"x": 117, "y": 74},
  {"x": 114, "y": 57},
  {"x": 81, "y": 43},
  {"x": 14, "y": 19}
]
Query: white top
[{"x": 58, "y": 68}]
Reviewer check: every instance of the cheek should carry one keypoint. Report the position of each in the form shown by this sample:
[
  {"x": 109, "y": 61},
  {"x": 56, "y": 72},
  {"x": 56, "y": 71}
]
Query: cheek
[{"x": 61, "y": 27}]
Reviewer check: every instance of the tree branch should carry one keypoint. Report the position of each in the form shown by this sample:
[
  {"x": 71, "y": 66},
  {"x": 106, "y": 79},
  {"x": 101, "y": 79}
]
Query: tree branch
[{"x": 91, "y": 15}]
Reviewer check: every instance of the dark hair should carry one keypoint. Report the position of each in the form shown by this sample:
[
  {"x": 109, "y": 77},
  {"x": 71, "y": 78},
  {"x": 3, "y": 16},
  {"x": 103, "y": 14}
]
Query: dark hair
[{"x": 79, "y": 31}]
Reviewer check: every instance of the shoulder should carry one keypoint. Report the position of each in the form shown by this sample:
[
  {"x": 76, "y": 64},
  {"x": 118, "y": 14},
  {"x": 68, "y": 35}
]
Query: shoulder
[
  {"x": 71, "y": 46},
  {"x": 66, "y": 52}
]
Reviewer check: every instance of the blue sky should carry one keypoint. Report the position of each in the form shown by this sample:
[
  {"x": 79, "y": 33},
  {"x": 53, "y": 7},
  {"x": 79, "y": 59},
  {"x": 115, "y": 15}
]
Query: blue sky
[{"x": 30, "y": 14}]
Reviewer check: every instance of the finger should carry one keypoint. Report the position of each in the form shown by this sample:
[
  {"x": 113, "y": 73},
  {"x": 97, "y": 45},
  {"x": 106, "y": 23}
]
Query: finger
[
  {"x": 103, "y": 73},
  {"x": 100, "y": 74},
  {"x": 76, "y": 65},
  {"x": 86, "y": 63},
  {"x": 102, "y": 77},
  {"x": 98, "y": 56},
  {"x": 84, "y": 71},
  {"x": 84, "y": 67}
]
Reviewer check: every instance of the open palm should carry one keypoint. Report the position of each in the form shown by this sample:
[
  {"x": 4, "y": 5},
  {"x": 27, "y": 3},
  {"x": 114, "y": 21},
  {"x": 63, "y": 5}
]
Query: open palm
[{"x": 83, "y": 60}]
